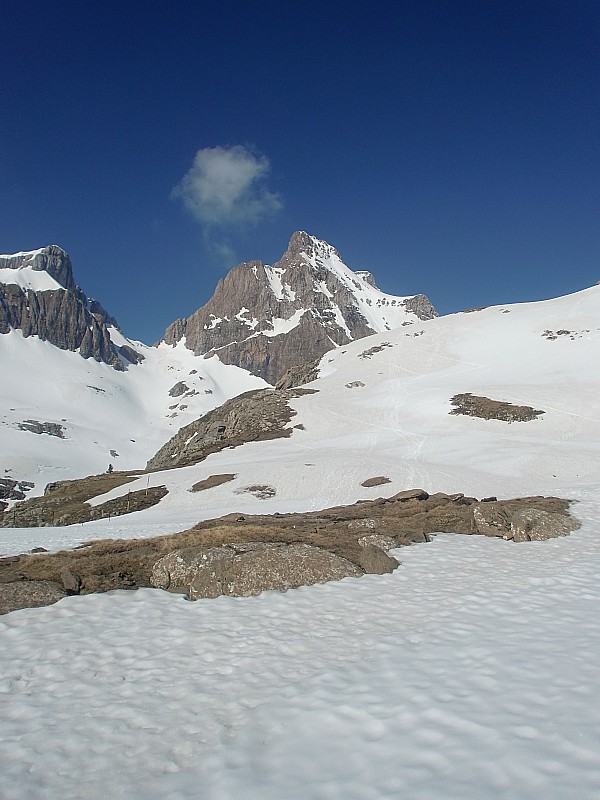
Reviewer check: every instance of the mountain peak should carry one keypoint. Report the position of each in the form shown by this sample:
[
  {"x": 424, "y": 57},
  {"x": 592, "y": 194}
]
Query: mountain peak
[
  {"x": 51, "y": 259},
  {"x": 270, "y": 318},
  {"x": 302, "y": 243}
]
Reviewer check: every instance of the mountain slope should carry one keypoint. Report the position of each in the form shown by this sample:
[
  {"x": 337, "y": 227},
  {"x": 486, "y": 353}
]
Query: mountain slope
[
  {"x": 382, "y": 408},
  {"x": 268, "y": 319}
]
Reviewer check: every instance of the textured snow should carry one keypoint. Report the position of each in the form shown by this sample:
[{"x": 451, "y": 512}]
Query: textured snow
[{"x": 470, "y": 672}]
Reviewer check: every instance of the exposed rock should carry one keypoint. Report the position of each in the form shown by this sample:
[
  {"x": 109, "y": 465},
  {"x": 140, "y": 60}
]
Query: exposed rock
[
  {"x": 534, "y": 525},
  {"x": 70, "y": 581},
  {"x": 375, "y": 561},
  {"x": 260, "y": 491},
  {"x": 179, "y": 389},
  {"x": 491, "y": 519},
  {"x": 409, "y": 494},
  {"x": 355, "y": 385},
  {"x": 474, "y": 406},
  {"x": 131, "y": 355},
  {"x": 372, "y": 350},
  {"x": 317, "y": 308},
  {"x": 65, "y": 317},
  {"x": 212, "y": 481},
  {"x": 377, "y": 481},
  {"x": 11, "y": 489},
  {"x": 249, "y": 569},
  {"x": 51, "y": 428},
  {"x": 353, "y": 533},
  {"x": 28, "y": 594},
  {"x": 65, "y": 502},
  {"x": 299, "y": 375},
  {"x": 253, "y": 416}
]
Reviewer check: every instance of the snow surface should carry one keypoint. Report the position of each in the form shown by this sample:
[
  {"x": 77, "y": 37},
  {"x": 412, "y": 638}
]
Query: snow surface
[
  {"x": 130, "y": 413},
  {"x": 29, "y": 278},
  {"x": 470, "y": 672}
]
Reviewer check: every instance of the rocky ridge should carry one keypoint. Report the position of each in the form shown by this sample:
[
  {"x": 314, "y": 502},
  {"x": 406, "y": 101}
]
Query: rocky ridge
[
  {"x": 244, "y": 555},
  {"x": 62, "y": 315},
  {"x": 268, "y": 319}
]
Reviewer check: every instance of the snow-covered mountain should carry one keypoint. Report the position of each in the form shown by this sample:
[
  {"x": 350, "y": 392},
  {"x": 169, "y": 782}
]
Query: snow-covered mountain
[
  {"x": 268, "y": 319},
  {"x": 382, "y": 408},
  {"x": 76, "y": 394},
  {"x": 79, "y": 395}
]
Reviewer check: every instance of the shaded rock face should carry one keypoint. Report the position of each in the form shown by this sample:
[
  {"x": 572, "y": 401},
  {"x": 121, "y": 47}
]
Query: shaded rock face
[
  {"x": 300, "y": 296},
  {"x": 253, "y": 416},
  {"x": 64, "y": 317},
  {"x": 51, "y": 259}
]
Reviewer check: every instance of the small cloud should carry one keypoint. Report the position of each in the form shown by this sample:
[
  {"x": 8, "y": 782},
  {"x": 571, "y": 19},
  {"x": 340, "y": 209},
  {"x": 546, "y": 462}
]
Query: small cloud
[{"x": 225, "y": 185}]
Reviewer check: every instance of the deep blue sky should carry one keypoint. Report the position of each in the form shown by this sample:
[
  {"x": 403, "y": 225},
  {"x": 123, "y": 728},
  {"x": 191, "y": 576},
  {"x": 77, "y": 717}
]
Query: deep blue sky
[{"x": 452, "y": 148}]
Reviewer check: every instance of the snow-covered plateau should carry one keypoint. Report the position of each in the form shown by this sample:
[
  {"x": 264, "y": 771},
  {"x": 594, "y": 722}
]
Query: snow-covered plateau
[{"x": 470, "y": 672}]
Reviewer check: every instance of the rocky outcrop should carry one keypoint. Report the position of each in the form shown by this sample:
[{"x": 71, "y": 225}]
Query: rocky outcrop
[
  {"x": 29, "y": 594},
  {"x": 244, "y": 554},
  {"x": 66, "y": 502},
  {"x": 248, "y": 569},
  {"x": 254, "y": 416},
  {"x": 472, "y": 405},
  {"x": 268, "y": 319},
  {"x": 65, "y": 317}
]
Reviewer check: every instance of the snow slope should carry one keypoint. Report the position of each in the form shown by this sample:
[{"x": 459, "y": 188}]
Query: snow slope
[
  {"x": 102, "y": 411},
  {"x": 470, "y": 672},
  {"x": 397, "y": 424}
]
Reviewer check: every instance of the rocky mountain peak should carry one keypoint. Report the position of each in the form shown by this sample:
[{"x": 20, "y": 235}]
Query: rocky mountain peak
[
  {"x": 271, "y": 318},
  {"x": 51, "y": 259},
  {"x": 39, "y": 297}
]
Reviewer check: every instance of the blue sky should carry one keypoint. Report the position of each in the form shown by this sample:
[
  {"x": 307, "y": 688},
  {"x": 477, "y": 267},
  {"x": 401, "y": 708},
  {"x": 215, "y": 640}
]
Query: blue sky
[{"x": 452, "y": 148}]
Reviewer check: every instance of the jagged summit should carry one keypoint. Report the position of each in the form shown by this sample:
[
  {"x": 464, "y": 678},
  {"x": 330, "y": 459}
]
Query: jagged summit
[
  {"x": 270, "y": 318},
  {"x": 51, "y": 259},
  {"x": 39, "y": 297}
]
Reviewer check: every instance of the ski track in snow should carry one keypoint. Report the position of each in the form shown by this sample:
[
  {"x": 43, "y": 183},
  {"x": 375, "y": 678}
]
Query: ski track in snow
[{"x": 409, "y": 685}]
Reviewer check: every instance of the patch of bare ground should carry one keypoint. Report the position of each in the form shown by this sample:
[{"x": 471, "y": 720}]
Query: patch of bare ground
[
  {"x": 472, "y": 405},
  {"x": 357, "y": 535},
  {"x": 212, "y": 481},
  {"x": 254, "y": 416},
  {"x": 66, "y": 502},
  {"x": 377, "y": 481}
]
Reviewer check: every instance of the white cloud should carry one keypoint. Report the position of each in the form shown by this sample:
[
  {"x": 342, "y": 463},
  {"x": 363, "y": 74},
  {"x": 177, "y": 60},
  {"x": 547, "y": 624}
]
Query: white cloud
[{"x": 225, "y": 185}]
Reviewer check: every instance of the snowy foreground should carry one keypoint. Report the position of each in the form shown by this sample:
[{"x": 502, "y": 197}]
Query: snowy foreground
[{"x": 471, "y": 672}]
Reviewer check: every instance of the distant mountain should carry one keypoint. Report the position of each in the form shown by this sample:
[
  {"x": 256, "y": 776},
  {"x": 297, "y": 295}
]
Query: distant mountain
[
  {"x": 268, "y": 319},
  {"x": 39, "y": 297}
]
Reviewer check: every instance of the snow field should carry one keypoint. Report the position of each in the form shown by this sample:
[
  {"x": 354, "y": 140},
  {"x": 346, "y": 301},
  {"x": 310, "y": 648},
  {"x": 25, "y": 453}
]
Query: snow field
[{"x": 470, "y": 672}]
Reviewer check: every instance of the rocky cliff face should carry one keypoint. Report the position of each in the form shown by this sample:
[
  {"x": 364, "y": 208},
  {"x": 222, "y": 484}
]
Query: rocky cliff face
[
  {"x": 39, "y": 297},
  {"x": 268, "y": 319}
]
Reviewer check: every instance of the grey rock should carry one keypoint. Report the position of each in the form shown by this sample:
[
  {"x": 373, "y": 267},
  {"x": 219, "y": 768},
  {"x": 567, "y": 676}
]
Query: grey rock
[
  {"x": 64, "y": 317},
  {"x": 243, "y": 570},
  {"x": 179, "y": 389},
  {"x": 70, "y": 581},
  {"x": 491, "y": 519},
  {"x": 534, "y": 525},
  {"x": 28, "y": 594},
  {"x": 376, "y": 561},
  {"x": 253, "y": 416},
  {"x": 409, "y": 494},
  {"x": 242, "y": 338}
]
